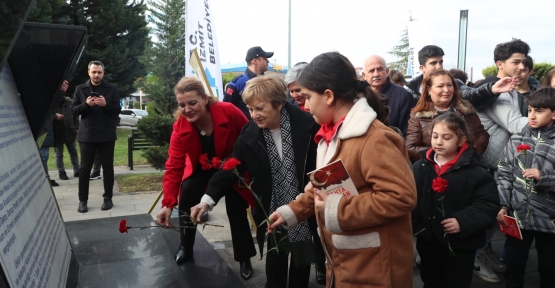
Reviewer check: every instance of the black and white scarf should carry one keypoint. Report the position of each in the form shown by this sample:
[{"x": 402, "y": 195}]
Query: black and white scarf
[{"x": 285, "y": 184}]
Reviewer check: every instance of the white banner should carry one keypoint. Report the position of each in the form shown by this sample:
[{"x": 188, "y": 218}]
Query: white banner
[
  {"x": 34, "y": 247},
  {"x": 419, "y": 36},
  {"x": 200, "y": 33}
]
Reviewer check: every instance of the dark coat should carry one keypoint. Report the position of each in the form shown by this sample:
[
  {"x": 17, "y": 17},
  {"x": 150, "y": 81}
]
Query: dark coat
[
  {"x": 98, "y": 124},
  {"x": 66, "y": 129},
  {"x": 471, "y": 198},
  {"x": 400, "y": 102},
  {"x": 250, "y": 150}
]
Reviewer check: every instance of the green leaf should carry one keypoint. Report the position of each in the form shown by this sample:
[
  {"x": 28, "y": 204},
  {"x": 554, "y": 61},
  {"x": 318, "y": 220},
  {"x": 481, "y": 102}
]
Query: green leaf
[{"x": 263, "y": 222}]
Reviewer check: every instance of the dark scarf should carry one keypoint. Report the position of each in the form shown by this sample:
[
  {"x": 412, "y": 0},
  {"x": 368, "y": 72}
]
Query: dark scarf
[{"x": 285, "y": 184}]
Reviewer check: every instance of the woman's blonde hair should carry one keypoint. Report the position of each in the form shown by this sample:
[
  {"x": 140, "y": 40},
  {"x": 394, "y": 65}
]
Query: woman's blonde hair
[
  {"x": 269, "y": 88},
  {"x": 188, "y": 84}
]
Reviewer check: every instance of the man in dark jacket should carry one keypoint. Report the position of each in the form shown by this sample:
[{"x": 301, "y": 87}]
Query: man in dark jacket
[
  {"x": 97, "y": 101},
  {"x": 400, "y": 100},
  {"x": 66, "y": 130},
  {"x": 257, "y": 61}
]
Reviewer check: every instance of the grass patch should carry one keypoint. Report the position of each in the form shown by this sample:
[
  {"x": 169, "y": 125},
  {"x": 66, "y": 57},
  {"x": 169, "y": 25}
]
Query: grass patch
[
  {"x": 140, "y": 182},
  {"x": 120, "y": 153}
]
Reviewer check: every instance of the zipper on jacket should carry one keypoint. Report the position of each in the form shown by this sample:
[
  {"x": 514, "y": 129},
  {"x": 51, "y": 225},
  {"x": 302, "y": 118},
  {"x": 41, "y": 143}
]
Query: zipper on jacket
[{"x": 529, "y": 196}]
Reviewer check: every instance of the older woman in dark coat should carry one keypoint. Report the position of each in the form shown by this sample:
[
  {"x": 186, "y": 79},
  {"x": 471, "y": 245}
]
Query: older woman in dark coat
[{"x": 277, "y": 154}]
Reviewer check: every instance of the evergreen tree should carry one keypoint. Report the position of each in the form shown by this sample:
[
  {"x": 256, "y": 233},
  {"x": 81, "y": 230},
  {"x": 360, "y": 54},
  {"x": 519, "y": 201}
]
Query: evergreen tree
[
  {"x": 165, "y": 58},
  {"x": 48, "y": 11},
  {"x": 165, "y": 62},
  {"x": 401, "y": 51},
  {"x": 117, "y": 35}
]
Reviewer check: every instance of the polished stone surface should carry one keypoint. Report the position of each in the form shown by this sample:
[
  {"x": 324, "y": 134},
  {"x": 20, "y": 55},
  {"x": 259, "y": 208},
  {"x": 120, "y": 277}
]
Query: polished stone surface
[{"x": 142, "y": 258}]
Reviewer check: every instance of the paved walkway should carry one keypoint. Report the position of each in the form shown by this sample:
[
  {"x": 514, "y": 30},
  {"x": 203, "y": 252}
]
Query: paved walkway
[{"x": 220, "y": 238}]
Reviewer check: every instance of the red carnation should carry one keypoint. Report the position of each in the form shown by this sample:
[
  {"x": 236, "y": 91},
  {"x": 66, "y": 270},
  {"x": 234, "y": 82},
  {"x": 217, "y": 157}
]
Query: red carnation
[
  {"x": 216, "y": 162},
  {"x": 522, "y": 148},
  {"x": 123, "y": 226},
  {"x": 230, "y": 164},
  {"x": 439, "y": 185},
  {"x": 203, "y": 158}
]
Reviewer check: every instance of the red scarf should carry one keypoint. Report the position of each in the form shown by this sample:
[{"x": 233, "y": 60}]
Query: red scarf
[
  {"x": 327, "y": 131},
  {"x": 448, "y": 165}
]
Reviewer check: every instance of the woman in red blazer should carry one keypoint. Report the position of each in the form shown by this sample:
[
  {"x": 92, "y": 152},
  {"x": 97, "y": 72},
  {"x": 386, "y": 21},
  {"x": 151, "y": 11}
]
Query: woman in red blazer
[{"x": 203, "y": 126}]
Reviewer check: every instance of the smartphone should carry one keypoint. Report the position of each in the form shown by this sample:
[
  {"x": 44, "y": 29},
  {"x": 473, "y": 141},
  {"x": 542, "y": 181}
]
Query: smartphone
[{"x": 94, "y": 94}]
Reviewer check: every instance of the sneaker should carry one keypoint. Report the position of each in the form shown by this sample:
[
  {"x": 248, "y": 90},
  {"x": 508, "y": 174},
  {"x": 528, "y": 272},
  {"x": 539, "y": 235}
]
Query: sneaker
[
  {"x": 107, "y": 205},
  {"x": 63, "y": 175},
  {"x": 496, "y": 266},
  {"x": 95, "y": 175},
  {"x": 82, "y": 207},
  {"x": 483, "y": 270},
  {"x": 54, "y": 183}
]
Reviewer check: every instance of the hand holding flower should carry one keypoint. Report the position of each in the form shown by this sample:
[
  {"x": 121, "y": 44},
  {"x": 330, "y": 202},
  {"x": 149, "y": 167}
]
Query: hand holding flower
[
  {"x": 276, "y": 220},
  {"x": 451, "y": 226},
  {"x": 163, "y": 217},
  {"x": 320, "y": 200},
  {"x": 531, "y": 173},
  {"x": 198, "y": 210}
]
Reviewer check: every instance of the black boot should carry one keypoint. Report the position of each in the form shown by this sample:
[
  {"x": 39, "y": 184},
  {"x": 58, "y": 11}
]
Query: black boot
[
  {"x": 183, "y": 255},
  {"x": 246, "y": 269}
]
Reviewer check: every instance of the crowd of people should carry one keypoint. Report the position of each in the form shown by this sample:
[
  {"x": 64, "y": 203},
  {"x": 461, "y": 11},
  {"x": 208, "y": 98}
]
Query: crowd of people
[{"x": 437, "y": 161}]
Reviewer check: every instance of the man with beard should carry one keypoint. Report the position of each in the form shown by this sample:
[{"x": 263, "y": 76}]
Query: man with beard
[
  {"x": 375, "y": 72},
  {"x": 97, "y": 101}
]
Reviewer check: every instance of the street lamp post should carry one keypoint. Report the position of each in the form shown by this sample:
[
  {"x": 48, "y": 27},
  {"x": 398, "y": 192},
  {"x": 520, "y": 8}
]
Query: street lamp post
[
  {"x": 289, "y": 38},
  {"x": 463, "y": 31}
]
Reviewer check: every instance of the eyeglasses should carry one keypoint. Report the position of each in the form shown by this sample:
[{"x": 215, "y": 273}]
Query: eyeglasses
[{"x": 295, "y": 91}]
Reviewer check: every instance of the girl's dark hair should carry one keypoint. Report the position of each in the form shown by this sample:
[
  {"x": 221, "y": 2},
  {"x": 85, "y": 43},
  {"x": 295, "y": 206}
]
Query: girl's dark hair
[
  {"x": 455, "y": 123},
  {"x": 335, "y": 72},
  {"x": 542, "y": 98}
]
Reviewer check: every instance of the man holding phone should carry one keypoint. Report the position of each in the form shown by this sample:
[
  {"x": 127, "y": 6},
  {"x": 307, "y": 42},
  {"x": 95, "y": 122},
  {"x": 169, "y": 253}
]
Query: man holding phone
[{"x": 97, "y": 101}]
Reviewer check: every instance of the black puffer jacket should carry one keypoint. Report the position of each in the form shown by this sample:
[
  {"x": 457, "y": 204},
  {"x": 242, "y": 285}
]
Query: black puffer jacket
[{"x": 471, "y": 198}]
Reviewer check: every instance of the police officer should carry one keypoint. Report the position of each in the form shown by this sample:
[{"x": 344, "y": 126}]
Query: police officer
[{"x": 257, "y": 64}]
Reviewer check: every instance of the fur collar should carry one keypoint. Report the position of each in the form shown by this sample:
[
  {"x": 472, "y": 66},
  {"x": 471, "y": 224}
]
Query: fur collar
[
  {"x": 463, "y": 107},
  {"x": 358, "y": 120}
]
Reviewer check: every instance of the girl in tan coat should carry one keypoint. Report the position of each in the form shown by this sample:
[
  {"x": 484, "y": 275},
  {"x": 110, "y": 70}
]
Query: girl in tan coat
[{"x": 367, "y": 238}]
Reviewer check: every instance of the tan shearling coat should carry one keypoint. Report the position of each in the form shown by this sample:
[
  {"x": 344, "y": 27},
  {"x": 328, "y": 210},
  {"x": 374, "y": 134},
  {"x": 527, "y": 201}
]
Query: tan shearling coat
[{"x": 367, "y": 238}]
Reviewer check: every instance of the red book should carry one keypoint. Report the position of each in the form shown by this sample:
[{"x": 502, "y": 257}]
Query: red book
[
  {"x": 512, "y": 227},
  {"x": 333, "y": 179}
]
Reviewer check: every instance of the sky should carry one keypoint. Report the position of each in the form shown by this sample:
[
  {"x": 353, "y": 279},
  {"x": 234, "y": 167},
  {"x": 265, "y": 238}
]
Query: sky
[{"x": 360, "y": 28}]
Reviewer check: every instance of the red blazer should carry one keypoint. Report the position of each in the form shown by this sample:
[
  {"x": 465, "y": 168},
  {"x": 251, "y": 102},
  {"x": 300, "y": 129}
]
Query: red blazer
[{"x": 185, "y": 148}]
